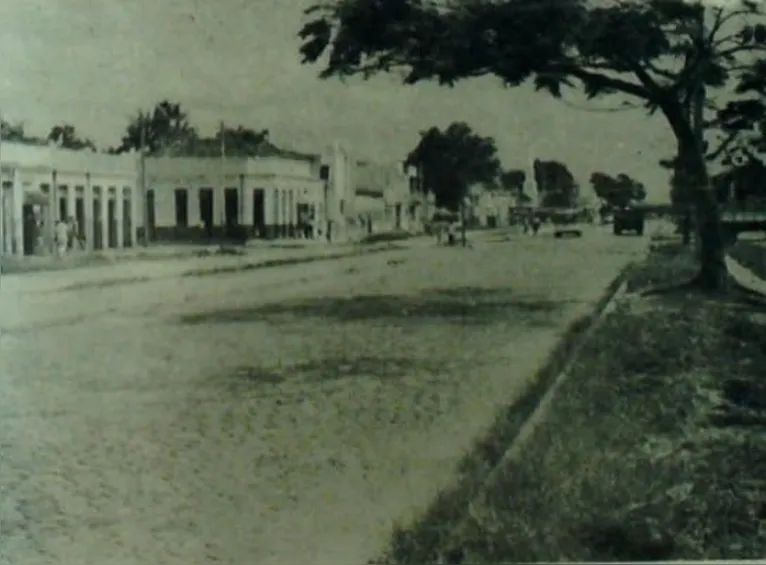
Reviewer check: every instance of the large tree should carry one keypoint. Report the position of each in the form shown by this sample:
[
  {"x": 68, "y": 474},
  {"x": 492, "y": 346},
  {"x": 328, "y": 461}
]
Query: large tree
[
  {"x": 657, "y": 52},
  {"x": 163, "y": 129},
  {"x": 618, "y": 191},
  {"x": 556, "y": 185},
  {"x": 453, "y": 159},
  {"x": 66, "y": 136}
]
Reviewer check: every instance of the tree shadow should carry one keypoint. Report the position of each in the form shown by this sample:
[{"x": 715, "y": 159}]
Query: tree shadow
[
  {"x": 464, "y": 305},
  {"x": 332, "y": 368}
]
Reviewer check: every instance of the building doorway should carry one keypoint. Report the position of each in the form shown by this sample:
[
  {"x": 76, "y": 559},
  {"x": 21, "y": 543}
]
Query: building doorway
[
  {"x": 98, "y": 237},
  {"x": 150, "y": 215},
  {"x": 259, "y": 212},
  {"x": 231, "y": 211},
  {"x": 30, "y": 229},
  {"x": 111, "y": 218},
  {"x": 206, "y": 210},
  {"x": 127, "y": 223}
]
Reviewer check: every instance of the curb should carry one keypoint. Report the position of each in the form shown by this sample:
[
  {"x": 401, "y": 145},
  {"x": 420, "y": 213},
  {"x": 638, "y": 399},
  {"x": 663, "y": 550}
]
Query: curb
[
  {"x": 516, "y": 422},
  {"x": 554, "y": 372}
]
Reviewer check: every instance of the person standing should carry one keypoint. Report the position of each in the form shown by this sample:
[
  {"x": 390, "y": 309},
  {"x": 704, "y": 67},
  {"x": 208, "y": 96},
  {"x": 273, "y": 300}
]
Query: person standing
[{"x": 62, "y": 237}]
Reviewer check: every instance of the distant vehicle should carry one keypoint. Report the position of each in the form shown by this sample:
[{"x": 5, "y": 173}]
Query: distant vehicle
[
  {"x": 628, "y": 218},
  {"x": 567, "y": 222}
]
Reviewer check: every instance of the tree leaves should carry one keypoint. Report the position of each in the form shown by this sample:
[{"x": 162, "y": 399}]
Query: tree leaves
[
  {"x": 617, "y": 191},
  {"x": 452, "y": 160}
]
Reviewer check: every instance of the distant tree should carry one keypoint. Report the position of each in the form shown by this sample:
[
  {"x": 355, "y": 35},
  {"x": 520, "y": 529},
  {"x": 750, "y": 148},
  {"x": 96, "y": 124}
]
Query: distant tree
[
  {"x": 556, "y": 185},
  {"x": 15, "y": 132},
  {"x": 657, "y": 52},
  {"x": 452, "y": 160},
  {"x": 238, "y": 142},
  {"x": 617, "y": 191},
  {"x": 513, "y": 180},
  {"x": 165, "y": 128},
  {"x": 66, "y": 136}
]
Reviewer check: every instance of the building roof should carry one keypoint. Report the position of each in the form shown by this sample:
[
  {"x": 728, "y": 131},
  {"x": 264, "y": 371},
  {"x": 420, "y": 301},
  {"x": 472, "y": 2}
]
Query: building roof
[{"x": 211, "y": 147}]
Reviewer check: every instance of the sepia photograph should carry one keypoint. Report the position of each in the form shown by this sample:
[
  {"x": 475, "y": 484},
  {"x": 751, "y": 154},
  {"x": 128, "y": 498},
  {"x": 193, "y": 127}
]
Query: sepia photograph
[{"x": 367, "y": 282}]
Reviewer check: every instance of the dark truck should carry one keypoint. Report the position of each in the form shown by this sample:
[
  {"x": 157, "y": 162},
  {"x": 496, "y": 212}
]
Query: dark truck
[{"x": 628, "y": 218}]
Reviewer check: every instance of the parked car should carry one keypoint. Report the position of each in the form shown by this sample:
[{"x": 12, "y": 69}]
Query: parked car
[
  {"x": 628, "y": 218},
  {"x": 568, "y": 222}
]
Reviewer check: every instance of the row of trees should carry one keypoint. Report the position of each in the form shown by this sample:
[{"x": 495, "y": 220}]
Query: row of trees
[
  {"x": 455, "y": 158},
  {"x": 165, "y": 129},
  {"x": 671, "y": 57}
]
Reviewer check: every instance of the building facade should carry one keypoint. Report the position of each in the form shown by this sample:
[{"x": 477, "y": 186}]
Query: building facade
[
  {"x": 384, "y": 198},
  {"x": 190, "y": 198},
  {"x": 42, "y": 184},
  {"x": 329, "y": 196}
]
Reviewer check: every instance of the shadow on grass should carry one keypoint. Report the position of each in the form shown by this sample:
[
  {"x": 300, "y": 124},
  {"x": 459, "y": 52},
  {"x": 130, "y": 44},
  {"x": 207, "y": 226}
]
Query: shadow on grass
[{"x": 466, "y": 305}]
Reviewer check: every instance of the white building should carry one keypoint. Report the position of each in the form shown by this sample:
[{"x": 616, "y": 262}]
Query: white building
[
  {"x": 206, "y": 197},
  {"x": 42, "y": 184},
  {"x": 328, "y": 196},
  {"x": 383, "y": 197}
]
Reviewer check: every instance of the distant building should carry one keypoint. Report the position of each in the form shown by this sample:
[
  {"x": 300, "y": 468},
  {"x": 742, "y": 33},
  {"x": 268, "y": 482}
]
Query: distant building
[
  {"x": 383, "y": 197},
  {"x": 42, "y": 184}
]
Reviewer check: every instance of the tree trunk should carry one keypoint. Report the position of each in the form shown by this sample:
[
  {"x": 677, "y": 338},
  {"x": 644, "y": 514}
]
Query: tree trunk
[{"x": 713, "y": 274}]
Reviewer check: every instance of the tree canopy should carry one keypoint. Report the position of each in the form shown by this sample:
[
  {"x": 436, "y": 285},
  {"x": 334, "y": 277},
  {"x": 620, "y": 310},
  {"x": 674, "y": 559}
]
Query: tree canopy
[
  {"x": 617, "y": 191},
  {"x": 556, "y": 185},
  {"x": 660, "y": 53},
  {"x": 164, "y": 128},
  {"x": 453, "y": 159},
  {"x": 513, "y": 180},
  {"x": 67, "y": 137}
]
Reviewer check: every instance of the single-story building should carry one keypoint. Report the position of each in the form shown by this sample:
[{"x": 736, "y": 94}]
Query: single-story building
[
  {"x": 42, "y": 184},
  {"x": 383, "y": 198},
  {"x": 190, "y": 198}
]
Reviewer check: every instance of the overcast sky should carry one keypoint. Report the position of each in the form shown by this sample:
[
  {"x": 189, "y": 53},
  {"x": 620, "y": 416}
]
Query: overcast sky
[{"x": 93, "y": 63}]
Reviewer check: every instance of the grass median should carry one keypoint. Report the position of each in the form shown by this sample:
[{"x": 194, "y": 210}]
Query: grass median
[{"x": 653, "y": 448}]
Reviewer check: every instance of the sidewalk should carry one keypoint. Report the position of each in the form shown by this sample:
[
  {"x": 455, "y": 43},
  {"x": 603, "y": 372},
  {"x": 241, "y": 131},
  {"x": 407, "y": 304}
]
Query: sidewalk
[{"x": 144, "y": 264}]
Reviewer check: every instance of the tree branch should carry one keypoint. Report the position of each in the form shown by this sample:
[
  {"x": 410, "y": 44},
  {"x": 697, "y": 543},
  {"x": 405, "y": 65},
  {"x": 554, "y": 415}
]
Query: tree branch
[{"x": 604, "y": 81}]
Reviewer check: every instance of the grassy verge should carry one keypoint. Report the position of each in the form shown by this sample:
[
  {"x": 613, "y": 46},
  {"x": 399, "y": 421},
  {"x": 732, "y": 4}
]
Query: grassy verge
[{"x": 654, "y": 447}]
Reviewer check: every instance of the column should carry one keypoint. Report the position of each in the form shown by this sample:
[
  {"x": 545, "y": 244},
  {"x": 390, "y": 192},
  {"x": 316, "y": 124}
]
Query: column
[
  {"x": 241, "y": 196},
  {"x": 119, "y": 202},
  {"x": 247, "y": 208},
  {"x": 134, "y": 215},
  {"x": 104, "y": 217},
  {"x": 219, "y": 203},
  {"x": 88, "y": 213},
  {"x": 18, "y": 214},
  {"x": 292, "y": 214},
  {"x": 285, "y": 216},
  {"x": 273, "y": 225}
]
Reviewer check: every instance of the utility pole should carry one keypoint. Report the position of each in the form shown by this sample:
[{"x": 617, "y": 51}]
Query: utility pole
[
  {"x": 2, "y": 198},
  {"x": 142, "y": 180}
]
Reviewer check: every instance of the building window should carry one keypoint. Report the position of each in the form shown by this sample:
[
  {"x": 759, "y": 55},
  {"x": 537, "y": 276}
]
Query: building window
[
  {"x": 342, "y": 207},
  {"x": 182, "y": 207},
  {"x": 324, "y": 172}
]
